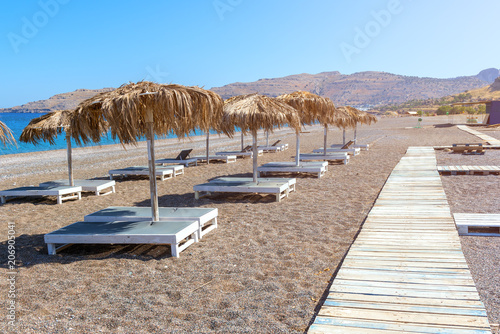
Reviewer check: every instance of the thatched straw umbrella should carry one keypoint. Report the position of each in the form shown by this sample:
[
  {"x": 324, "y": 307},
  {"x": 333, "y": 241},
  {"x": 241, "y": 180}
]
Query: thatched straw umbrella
[
  {"x": 47, "y": 128},
  {"x": 253, "y": 112},
  {"x": 6, "y": 136},
  {"x": 313, "y": 108},
  {"x": 147, "y": 108},
  {"x": 361, "y": 117}
]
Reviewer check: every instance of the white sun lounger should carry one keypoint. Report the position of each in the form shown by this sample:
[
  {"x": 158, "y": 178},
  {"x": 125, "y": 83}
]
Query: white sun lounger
[
  {"x": 352, "y": 151},
  {"x": 329, "y": 157},
  {"x": 464, "y": 221},
  {"x": 290, "y": 181},
  {"x": 314, "y": 167},
  {"x": 185, "y": 162},
  {"x": 182, "y": 158},
  {"x": 164, "y": 172},
  {"x": 248, "y": 154},
  {"x": 280, "y": 187},
  {"x": 206, "y": 217},
  {"x": 63, "y": 193},
  {"x": 95, "y": 186},
  {"x": 224, "y": 158},
  {"x": 179, "y": 234},
  {"x": 273, "y": 149},
  {"x": 364, "y": 147}
]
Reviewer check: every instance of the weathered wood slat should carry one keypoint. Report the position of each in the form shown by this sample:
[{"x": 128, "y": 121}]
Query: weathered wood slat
[
  {"x": 473, "y": 304},
  {"x": 409, "y": 283},
  {"x": 337, "y": 325},
  {"x": 415, "y": 318},
  {"x": 469, "y": 170}
]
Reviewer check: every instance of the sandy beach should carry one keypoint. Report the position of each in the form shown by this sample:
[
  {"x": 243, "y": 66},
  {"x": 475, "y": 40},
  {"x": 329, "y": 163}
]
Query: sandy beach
[{"x": 267, "y": 267}]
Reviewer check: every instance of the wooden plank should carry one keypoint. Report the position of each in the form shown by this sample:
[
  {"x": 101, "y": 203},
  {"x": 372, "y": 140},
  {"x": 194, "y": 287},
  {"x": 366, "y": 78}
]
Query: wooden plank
[
  {"x": 415, "y": 318},
  {"x": 410, "y": 308},
  {"x": 337, "y": 325},
  {"x": 472, "y": 304},
  {"x": 401, "y": 281},
  {"x": 431, "y": 268}
]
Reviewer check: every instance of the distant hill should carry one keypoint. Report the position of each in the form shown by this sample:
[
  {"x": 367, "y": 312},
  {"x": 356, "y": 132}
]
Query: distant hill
[
  {"x": 57, "y": 102},
  {"x": 363, "y": 88},
  {"x": 489, "y": 92},
  {"x": 358, "y": 89},
  {"x": 489, "y": 75}
]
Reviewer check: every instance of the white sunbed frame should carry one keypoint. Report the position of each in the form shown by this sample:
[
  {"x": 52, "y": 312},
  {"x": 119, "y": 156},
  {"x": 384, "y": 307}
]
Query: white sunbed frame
[
  {"x": 164, "y": 172},
  {"x": 95, "y": 186},
  {"x": 353, "y": 151},
  {"x": 248, "y": 154},
  {"x": 186, "y": 162},
  {"x": 364, "y": 147},
  {"x": 58, "y": 191},
  {"x": 224, "y": 158},
  {"x": 179, "y": 235},
  {"x": 311, "y": 167},
  {"x": 274, "y": 149},
  {"x": 281, "y": 187},
  {"x": 206, "y": 217},
  {"x": 465, "y": 220},
  {"x": 344, "y": 157}
]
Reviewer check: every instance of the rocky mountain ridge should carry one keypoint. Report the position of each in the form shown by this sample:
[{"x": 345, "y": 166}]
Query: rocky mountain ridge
[{"x": 369, "y": 88}]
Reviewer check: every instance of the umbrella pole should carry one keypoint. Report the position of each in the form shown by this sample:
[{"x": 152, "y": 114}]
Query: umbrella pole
[
  {"x": 255, "y": 151},
  {"x": 297, "y": 148},
  {"x": 242, "y": 147},
  {"x": 324, "y": 142},
  {"x": 155, "y": 213},
  {"x": 267, "y": 138},
  {"x": 208, "y": 143},
  {"x": 70, "y": 160},
  {"x": 343, "y": 137},
  {"x": 355, "y": 133}
]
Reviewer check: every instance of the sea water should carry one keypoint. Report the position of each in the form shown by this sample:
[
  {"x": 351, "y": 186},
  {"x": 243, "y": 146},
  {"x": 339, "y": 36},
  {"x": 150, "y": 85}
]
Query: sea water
[{"x": 18, "y": 121}]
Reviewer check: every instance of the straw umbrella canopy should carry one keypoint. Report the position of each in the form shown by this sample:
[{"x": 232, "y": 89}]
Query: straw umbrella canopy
[
  {"x": 47, "y": 128},
  {"x": 313, "y": 108},
  {"x": 361, "y": 117},
  {"x": 6, "y": 136},
  {"x": 147, "y": 109},
  {"x": 253, "y": 112}
]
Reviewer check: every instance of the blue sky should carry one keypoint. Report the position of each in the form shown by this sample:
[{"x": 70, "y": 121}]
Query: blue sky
[{"x": 55, "y": 46}]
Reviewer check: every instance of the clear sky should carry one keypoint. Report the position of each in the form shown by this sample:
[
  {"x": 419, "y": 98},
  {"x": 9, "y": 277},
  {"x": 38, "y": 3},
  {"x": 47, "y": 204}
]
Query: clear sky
[{"x": 56, "y": 46}]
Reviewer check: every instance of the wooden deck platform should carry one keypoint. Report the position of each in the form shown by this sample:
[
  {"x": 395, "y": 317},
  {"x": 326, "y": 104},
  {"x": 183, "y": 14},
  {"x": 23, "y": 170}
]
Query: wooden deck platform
[
  {"x": 62, "y": 193},
  {"x": 220, "y": 158},
  {"x": 163, "y": 172},
  {"x": 467, "y": 221},
  {"x": 469, "y": 170},
  {"x": 95, "y": 186},
  {"x": 179, "y": 234},
  {"x": 206, "y": 217},
  {"x": 405, "y": 272},
  {"x": 339, "y": 156},
  {"x": 280, "y": 187},
  {"x": 313, "y": 167}
]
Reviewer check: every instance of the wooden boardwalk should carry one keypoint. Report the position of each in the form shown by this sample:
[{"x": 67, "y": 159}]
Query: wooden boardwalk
[
  {"x": 469, "y": 170},
  {"x": 490, "y": 140},
  {"x": 405, "y": 272}
]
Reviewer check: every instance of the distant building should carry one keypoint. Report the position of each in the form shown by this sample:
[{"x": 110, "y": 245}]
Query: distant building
[{"x": 492, "y": 110}]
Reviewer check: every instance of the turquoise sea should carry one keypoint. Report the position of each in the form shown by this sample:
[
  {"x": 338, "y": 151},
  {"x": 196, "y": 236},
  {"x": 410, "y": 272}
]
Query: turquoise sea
[{"x": 18, "y": 121}]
